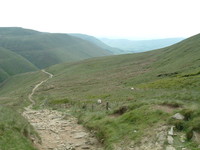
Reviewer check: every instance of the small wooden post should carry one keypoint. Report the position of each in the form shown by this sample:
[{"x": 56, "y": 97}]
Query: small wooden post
[
  {"x": 107, "y": 106},
  {"x": 84, "y": 106},
  {"x": 92, "y": 107}
]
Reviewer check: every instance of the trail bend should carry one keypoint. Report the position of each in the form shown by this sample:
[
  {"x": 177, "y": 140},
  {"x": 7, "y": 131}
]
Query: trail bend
[{"x": 58, "y": 131}]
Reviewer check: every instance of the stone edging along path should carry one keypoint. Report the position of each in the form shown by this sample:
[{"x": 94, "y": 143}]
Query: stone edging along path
[{"x": 58, "y": 131}]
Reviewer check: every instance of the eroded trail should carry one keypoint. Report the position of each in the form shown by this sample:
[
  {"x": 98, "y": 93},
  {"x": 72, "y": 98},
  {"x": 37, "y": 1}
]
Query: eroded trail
[{"x": 58, "y": 131}]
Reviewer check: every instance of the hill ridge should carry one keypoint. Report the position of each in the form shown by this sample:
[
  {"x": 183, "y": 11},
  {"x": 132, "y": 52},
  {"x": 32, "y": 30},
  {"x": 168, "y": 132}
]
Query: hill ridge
[{"x": 42, "y": 49}]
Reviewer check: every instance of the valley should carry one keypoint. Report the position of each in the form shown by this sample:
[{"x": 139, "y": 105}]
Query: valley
[{"x": 140, "y": 93}]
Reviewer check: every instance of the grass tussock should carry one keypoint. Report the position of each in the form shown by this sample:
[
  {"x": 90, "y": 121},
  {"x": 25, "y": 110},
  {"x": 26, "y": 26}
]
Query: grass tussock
[
  {"x": 15, "y": 131},
  {"x": 130, "y": 124},
  {"x": 190, "y": 124}
]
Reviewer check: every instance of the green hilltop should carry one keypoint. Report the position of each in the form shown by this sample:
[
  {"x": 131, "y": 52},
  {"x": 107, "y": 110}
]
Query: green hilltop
[{"x": 46, "y": 49}]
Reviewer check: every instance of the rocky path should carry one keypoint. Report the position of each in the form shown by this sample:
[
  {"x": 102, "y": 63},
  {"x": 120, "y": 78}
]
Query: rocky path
[{"x": 58, "y": 131}]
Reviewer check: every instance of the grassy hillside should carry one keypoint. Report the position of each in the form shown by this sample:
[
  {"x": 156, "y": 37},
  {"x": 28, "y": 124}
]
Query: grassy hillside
[
  {"x": 15, "y": 132},
  {"x": 45, "y": 49},
  {"x": 98, "y": 43},
  {"x": 143, "y": 91},
  {"x": 165, "y": 81},
  {"x": 12, "y": 63},
  {"x": 140, "y": 45}
]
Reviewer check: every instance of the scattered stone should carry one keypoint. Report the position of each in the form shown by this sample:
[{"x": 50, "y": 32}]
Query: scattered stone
[
  {"x": 70, "y": 148},
  {"x": 182, "y": 138},
  {"x": 196, "y": 137},
  {"x": 178, "y": 116},
  {"x": 78, "y": 145},
  {"x": 161, "y": 137},
  {"x": 170, "y": 148},
  {"x": 80, "y": 135},
  {"x": 171, "y": 131},
  {"x": 90, "y": 142},
  {"x": 170, "y": 139},
  {"x": 41, "y": 128},
  {"x": 184, "y": 149}
]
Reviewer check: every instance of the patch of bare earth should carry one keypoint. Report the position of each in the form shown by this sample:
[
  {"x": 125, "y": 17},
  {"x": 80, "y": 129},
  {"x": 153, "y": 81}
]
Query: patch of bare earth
[{"x": 166, "y": 108}]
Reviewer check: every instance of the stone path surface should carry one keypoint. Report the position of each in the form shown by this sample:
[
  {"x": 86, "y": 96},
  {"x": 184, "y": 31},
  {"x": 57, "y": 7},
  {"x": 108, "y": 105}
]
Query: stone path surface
[{"x": 58, "y": 131}]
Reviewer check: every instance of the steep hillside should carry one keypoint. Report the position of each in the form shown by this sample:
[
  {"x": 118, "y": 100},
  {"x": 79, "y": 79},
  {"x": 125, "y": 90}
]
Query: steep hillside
[
  {"x": 98, "y": 43},
  {"x": 179, "y": 58},
  {"x": 45, "y": 49},
  {"x": 12, "y": 64},
  {"x": 142, "y": 45}
]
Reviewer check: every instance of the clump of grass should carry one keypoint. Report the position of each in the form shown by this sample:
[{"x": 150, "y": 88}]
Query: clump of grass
[
  {"x": 194, "y": 126},
  {"x": 58, "y": 102},
  {"x": 191, "y": 74},
  {"x": 130, "y": 124},
  {"x": 189, "y": 124},
  {"x": 173, "y": 104},
  {"x": 180, "y": 125},
  {"x": 15, "y": 131}
]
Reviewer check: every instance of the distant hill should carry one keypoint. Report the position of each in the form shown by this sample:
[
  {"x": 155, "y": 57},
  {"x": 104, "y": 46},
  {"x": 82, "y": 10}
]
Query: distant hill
[
  {"x": 46, "y": 49},
  {"x": 141, "y": 45},
  {"x": 98, "y": 43},
  {"x": 12, "y": 63}
]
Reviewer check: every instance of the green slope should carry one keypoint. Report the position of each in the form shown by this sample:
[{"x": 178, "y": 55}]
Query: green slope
[
  {"x": 15, "y": 131},
  {"x": 45, "y": 49},
  {"x": 136, "y": 68},
  {"x": 12, "y": 64},
  {"x": 98, "y": 43}
]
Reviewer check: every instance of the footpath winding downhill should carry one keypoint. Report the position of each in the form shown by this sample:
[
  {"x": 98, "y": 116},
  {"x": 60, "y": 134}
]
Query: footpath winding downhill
[{"x": 58, "y": 131}]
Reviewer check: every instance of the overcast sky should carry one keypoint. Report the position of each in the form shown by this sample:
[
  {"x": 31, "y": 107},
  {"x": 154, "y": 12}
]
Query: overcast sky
[{"x": 146, "y": 19}]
